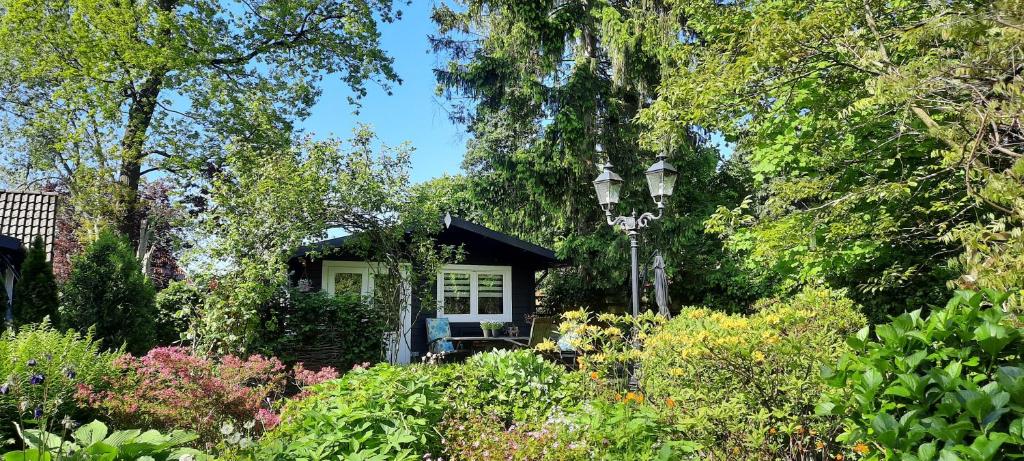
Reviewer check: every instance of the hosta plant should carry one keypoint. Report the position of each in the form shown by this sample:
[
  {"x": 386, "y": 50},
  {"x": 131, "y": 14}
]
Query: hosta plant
[
  {"x": 94, "y": 441},
  {"x": 382, "y": 413},
  {"x": 515, "y": 386},
  {"x": 943, "y": 386}
]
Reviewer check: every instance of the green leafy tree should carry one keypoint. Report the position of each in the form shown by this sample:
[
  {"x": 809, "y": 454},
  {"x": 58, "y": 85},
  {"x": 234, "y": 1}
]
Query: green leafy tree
[
  {"x": 35, "y": 292},
  {"x": 538, "y": 84},
  {"x": 100, "y": 94},
  {"x": 107, "y": 290},
  {"x": 881, "y": 138},
  {"x": 263, "y": 206}
]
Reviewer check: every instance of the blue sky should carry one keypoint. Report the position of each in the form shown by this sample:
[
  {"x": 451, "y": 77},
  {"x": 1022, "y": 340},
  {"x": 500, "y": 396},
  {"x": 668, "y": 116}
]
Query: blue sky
[{"x": 412, "y": 113}]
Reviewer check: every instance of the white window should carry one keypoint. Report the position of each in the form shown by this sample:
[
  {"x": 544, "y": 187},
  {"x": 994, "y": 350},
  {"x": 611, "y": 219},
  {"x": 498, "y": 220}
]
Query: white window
[{"x": 475, "y": 293}]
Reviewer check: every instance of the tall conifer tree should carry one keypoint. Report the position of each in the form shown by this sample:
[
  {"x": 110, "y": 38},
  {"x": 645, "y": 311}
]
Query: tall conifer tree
[{"x": 35, "y": 292}]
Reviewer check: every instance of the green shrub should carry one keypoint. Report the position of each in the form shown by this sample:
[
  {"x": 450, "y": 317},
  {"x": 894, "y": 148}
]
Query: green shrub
[
  {"x": 745, "y": 386},
  {"x": 625, "y": 430},
  {"x": 107, "y": 289},
  {"x": 948, "y": 386},
  {"x": 64, "y": 361},
  {"x": 385, "y": 412},
  {"x": 93, "y": 442},
  {"x": 175, "y": 306},
  {"x": 299, "y": 326},
  {"x": 516, "y": 386},
  {"x": 35, "y": 293},
  {"x": 481, "y": 437},
  {"x": 631, "y": 430}
]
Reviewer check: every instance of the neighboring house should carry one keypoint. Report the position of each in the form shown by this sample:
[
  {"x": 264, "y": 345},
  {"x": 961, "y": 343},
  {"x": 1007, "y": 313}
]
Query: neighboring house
[
  {"x": 495, "y": 280},
  {"x": 24, "y": 215}
]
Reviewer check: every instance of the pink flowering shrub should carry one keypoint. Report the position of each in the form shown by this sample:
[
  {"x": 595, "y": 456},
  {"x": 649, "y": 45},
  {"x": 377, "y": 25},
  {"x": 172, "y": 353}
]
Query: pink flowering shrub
[
  {"x": 169, "y": 388},
  {"x": 305, "y": 378}
]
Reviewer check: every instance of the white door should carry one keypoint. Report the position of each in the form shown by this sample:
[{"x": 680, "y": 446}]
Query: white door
[{"x": 357, "y": 278}]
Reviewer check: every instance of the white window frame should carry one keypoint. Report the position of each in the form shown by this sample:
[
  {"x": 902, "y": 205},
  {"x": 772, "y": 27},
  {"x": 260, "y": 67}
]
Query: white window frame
[{"x": 474, "y": 271}]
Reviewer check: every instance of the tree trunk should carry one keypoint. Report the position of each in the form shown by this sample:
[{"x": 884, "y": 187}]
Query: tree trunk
[{"x": 140, "y": 115}]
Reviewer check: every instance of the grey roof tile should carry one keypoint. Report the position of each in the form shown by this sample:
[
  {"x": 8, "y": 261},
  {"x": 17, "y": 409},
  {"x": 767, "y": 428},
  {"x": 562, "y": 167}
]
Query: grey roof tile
[{"x": 25, "y": 215}]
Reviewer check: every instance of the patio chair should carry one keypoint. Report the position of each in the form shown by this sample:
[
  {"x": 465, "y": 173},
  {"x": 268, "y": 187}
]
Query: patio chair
[
  {"x": 438, "y": 332},
  {"x": 541, "y": 329},
  {"x": 545, "y": 328}
]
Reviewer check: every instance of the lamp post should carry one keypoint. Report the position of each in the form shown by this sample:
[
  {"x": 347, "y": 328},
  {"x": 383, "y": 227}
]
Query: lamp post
[{"x": 661, "y": 179}]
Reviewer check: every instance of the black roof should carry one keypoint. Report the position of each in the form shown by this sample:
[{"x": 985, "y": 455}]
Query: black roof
[
  {"x": 537, "y": 250},
  {"x": 451, "y": 222}
]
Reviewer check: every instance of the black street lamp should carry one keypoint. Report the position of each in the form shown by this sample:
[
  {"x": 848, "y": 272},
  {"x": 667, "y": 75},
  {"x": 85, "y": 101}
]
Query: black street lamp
[{"x": 661, "y": 179}]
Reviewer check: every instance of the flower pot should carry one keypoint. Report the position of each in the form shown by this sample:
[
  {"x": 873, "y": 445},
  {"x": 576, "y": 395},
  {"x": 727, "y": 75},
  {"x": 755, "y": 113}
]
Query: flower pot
[
  {"x": 496, "y": 332},
  {"x": 487, "y": 333}
]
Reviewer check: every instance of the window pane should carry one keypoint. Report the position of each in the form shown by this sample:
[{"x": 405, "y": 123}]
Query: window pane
[
  {"x": 491, "y": 290},
  {"x": 387, "y": 290},
  {"x": 456, "y": 293},
  {"x": 348, "y": 283}
]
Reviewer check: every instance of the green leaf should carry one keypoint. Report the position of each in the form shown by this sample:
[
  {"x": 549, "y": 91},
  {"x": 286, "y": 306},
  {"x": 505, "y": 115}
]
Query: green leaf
[
  {"x": 32, "y": 454},
  {"x": 91, "y": 433},
  {"x": 886, "y": 429},
  {"x": 992, "y": 337},
  {"x": 926, "y": 451}
]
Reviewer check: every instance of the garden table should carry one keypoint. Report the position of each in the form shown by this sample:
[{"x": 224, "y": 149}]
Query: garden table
[{"x": 521, "y": 341}]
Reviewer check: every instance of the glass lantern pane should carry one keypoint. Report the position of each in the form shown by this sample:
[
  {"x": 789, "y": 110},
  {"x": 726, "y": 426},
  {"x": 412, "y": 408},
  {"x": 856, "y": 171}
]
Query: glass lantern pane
[
  {"x": 613, "y": 192},
  {"x": 602, "y": 192},
  {"x": 661, "y": 183},
  {"x": 656, "y": 184},
  {"x": 670, "y": 183}
]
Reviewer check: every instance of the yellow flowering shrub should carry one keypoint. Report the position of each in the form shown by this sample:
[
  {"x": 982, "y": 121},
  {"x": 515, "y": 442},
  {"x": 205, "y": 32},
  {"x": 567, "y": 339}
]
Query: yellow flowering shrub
[
  {"x": 607, "y": 343},
  {"x": 748, "y": 384}
]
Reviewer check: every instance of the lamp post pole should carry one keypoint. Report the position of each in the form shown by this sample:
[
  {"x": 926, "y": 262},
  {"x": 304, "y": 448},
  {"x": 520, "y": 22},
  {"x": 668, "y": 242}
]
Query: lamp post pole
[
  {"x": 631, "y": 225},
  {"x": 661, "y": 179}
]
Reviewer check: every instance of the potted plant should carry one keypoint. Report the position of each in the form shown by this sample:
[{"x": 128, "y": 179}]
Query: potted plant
[{"x": 491, "y": 328}]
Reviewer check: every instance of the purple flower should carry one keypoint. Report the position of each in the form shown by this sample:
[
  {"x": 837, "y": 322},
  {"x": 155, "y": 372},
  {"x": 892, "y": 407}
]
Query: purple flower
[
  {"x": 31, "y": 362},
  {"x": 70, "y": 373},
  {"x": 5, "y": 388},
  {"x": 36, "y": 379},
  {"x": 38, "y": 412}
]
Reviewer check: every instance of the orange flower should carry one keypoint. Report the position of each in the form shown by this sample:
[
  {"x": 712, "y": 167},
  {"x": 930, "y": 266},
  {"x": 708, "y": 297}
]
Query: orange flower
[
  {"x": 861, "y": 448},
  {"x": 799, "y": 430},
  {"x": 634, "y": 397},
  {"x": 819, "y": 445},
  {"x": 772, "y": 431},
  {"x": 594, "y": 375},
  {"x": 670, "y": 402},
  {"x": 840, "y": 457},
  {"x": 618, "y": 397}
]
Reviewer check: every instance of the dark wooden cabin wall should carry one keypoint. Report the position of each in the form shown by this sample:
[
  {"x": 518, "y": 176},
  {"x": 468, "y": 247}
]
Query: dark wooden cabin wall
[{"x": 477, "y": 250}]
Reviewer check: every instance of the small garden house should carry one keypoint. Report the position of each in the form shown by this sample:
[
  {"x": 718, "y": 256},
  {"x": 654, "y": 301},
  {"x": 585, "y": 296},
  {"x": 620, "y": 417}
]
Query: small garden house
[{"x": 494, "y": 281}]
